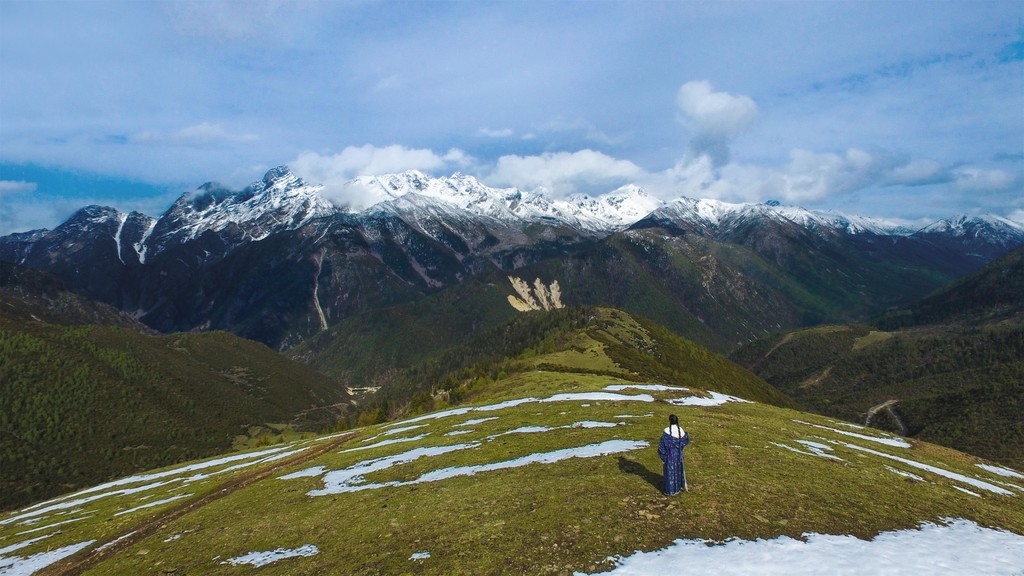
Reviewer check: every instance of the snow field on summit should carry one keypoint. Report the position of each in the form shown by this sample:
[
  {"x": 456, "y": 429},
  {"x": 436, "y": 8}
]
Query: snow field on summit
[{"x": 566, "y": 478}]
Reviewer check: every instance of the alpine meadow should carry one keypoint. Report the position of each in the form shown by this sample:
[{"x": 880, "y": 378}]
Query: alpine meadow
[{"x": 511, "y": 288}]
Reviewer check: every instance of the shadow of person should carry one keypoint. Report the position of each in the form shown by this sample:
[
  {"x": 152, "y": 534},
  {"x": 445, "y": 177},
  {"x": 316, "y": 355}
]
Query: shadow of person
[{"x": 630, "y": 467}]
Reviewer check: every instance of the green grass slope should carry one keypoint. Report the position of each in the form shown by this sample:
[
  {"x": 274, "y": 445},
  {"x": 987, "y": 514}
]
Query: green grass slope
[
  {"x": 550, "y": 470},
  {"x": 80, "y": 404},
  {"x": 569, "y": 339}
]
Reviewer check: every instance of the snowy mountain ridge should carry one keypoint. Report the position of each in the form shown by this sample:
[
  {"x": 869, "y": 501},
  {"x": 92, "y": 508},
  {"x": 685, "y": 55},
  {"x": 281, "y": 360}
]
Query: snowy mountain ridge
[
  {"x": 283, "y": 201},
  {"x": 606, "y": 213},
  {"x": 711, "y": 214},
  {"x": 280, "y": 201}
]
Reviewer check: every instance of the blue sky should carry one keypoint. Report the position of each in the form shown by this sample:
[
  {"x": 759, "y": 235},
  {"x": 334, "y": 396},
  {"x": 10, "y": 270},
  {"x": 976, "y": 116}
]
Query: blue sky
[{"x": 909, "y": 110}]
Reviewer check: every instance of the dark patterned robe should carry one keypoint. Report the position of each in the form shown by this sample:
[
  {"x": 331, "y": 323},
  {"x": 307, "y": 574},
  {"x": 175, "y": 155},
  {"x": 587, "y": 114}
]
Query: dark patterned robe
[{"x": 670, "y": 450}]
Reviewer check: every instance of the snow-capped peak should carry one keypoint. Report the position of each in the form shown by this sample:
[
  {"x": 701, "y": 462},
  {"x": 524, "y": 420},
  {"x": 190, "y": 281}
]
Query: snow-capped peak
[
  {"x": 989, "y": 227},
  {"x": 710, "y": 214},
  {"x": 280, "y": 201},
  {"x": 615, "y": 210},
  {"x": 605, "y": 213}
]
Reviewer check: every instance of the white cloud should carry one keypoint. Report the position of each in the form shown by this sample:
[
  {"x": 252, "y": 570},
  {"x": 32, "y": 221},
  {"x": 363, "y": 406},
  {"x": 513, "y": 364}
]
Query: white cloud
[
  {"x": 204, "y": 133},
  {"x": 500, "y": 133},
  {"x": 810, "y": 177},
  {"x": 715, "y": 113},
  {"x": 716, "y": 118},
  {"x": 16, "y": 186},
  {"x": 981, "y": 180},
  {"x": 919, "y": 173},
  {"x": 334, "y": 171},
  {"x": 564, "y": 173}
]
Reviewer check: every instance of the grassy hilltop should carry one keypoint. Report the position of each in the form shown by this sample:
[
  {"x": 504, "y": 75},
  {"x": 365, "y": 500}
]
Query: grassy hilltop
[{"x": 550, "y": 468}]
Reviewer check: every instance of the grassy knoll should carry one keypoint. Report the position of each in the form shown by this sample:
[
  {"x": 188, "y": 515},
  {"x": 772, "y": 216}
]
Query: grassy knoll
[{"x": 448, "y": 491}]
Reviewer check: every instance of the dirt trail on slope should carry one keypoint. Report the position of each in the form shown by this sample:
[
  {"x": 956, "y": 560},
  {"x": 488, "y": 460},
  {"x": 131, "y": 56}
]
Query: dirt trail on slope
[
  {"x": 887, "y": 406},
  {"x": 785, "y": 340},
  {"x": 89, "y": 558}
]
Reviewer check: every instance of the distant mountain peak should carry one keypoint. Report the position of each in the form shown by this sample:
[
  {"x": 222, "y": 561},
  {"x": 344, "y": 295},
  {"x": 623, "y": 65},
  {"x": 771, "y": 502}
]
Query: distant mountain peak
[{"x": 710, "y": 214}]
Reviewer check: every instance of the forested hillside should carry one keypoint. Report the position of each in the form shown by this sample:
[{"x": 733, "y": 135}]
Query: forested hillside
[
  {"x": 83, "y": 403},
  {"x": 954, "y": 374}
]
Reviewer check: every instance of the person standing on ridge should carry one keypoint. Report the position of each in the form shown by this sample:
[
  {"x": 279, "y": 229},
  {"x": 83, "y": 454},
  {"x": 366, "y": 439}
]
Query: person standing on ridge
[{"x": 670, "y": 450}]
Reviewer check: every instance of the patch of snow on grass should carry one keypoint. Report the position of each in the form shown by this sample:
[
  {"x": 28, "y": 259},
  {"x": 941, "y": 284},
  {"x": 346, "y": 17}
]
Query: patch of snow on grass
[
  {"x": 956, "y": 548},
  {"x": 815, "y": 449},
  {"x": 847, "y": 424},
  {"x": 328, "y": 437},
  {"x": 351, "y": 479},
  {"x": 1001, "y": 471},
  {"x": 522, "y": 430},
  {"x": 278, "y": 456},
  {"x": 176, "y": 471},
  {"x": 476, "y": 421},
  {"x": 419, "y": 556},
  {"x": 258, "y": 559},
  {"x": 717, "y": 399},
  {"x": 966, "y": 491},
  {"x": 386, "y": 443},
  {"x": 459, "y": 432},
  {"x": 437, "y": 415},
  {"x": 570, "y": 397},
  {"x": 536, "y": 429},
  {"x": 588, "y": 451},
  {"x": 649, "y": 387},
  {"x": 403, "y": 429},
  {"x": 936, "y": 470},
  {"x": 648, "y": 415},
  {"x": 910, "y": 475},
  {"x": 597, "y": 397},
  {"x": 79, "y": 498},
  {"x": 18, "y": 566},
  {"x": 48, "y": 526},
  {"x": 115, "y": 541},
  {"x": 20, "y": 545},
  {"x": 888, "y": 441},
  {"x": 152, "y": 504}
]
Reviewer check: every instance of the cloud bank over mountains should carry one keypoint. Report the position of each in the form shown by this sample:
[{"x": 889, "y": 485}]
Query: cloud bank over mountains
[
  {"x": 866, "y": 108},
  {"x": 714, "y": 120}
]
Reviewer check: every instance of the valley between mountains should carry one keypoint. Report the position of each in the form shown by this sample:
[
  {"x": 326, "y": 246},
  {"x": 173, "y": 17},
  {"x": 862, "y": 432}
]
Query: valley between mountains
[{"x": 469, "y": 380}]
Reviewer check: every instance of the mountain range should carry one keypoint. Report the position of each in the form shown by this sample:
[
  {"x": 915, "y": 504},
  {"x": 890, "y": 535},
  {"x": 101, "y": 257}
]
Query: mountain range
[
  {"x": 278, "y": 263},
  {"x": 490, "y": 420}
]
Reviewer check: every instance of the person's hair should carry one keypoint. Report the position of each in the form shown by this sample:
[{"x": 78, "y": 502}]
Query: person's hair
[{"x": 673, "y": 420}]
